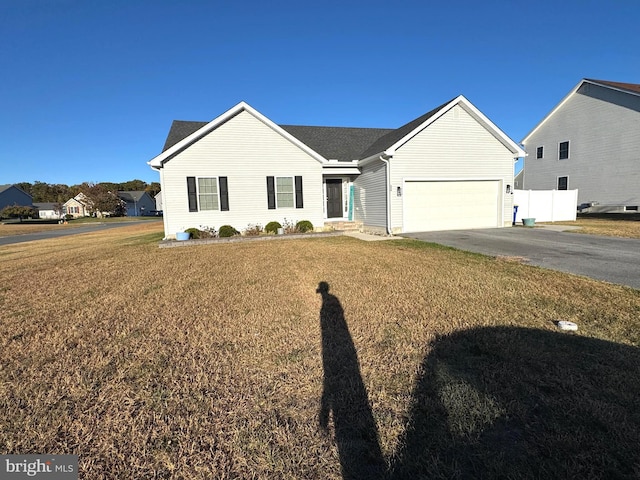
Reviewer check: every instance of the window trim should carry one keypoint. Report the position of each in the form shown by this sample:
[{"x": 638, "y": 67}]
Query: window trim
[
  {"x": 193, "y": 193},
  {"x": 566, "y": 183},
  {"x": 272, "y": 192},
  {"x": 560, "y": 157},
  {"x": 540, "y": 152},
  {"x": 217, "y": 194},
  {"x": 293, "y": 191}
]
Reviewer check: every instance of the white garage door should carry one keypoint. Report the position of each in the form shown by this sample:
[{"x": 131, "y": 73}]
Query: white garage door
[{"x": 451, "y": 205}]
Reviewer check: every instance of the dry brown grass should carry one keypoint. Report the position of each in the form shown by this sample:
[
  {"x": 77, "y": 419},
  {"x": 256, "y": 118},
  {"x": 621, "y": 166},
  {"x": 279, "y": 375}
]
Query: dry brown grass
[
  {"x": 206, "y": 362},
  {"x": 11, "y": 229},
  {"x": 613, "y": 227}
]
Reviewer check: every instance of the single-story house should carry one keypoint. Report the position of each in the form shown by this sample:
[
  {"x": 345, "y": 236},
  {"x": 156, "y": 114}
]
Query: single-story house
[
  {"x": 158, "y": 199},
  {"x": 137, "y": 202},
  {"x": 450, "y": 168},
  {"x": 49, "y": 209},
  {"x": 589, "y": 142},
  {"x": 76, "y": 207},
  {"x": 11, "y": 195}
]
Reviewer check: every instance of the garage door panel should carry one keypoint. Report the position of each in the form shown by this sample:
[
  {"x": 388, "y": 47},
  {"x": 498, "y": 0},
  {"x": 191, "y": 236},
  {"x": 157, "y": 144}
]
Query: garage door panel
[{"x": 450, "y": 205}]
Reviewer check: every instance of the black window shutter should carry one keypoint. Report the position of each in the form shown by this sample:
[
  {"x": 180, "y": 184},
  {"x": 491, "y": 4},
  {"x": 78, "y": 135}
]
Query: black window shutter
[
  {"x": 271, "y": 194},
  {"x": 224, "y": 194},
  {"x": 299, "y": 203},
  {"x": 192, "y": 194}
]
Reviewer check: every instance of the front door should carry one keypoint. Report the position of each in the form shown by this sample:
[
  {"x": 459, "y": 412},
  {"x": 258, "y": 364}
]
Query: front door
[{"x": 334, "y": 198}]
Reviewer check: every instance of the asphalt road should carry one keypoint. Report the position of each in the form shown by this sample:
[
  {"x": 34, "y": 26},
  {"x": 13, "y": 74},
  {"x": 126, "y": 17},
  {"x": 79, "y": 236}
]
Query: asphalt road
[
  {"x": 615, "y": 260},
  {"x": 86, "y": 228}
]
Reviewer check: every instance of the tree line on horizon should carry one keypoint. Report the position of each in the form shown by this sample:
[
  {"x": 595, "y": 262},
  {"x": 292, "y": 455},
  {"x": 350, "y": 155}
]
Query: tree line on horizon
[{"x": 59, "y": 193}]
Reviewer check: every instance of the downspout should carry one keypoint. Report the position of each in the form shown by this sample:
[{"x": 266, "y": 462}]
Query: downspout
[{"x": 388, "y": 188}]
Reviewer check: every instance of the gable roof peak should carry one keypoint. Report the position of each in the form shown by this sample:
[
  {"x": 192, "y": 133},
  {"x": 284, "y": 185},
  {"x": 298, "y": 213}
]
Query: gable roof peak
[
  {"x": 196, "y": 132},
  {"x": 393, "y": 140},
  {"x": 630, "y": 88}
]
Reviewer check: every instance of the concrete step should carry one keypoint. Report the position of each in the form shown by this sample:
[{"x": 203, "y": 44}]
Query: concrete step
[{"x": 343, "y": 226}]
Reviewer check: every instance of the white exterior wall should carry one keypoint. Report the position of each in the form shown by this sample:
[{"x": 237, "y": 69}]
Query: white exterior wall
[
  {"x": 454, "y": 147},
  {"x": 47, "y": 214},
  {"x": 603, "y": 130},
  {"x": 246, "y": 151},
  {"x": 370, "y": 200}
]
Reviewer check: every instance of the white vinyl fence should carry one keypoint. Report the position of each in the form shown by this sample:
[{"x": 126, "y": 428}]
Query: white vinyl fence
[{"x": 546, "y": 205}]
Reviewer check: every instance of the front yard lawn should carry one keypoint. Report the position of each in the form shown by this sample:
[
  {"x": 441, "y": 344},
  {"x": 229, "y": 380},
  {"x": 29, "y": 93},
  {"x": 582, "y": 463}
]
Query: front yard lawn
[
  {"x": 613, "y": 225},
  {"x": 235, "y": 361}
]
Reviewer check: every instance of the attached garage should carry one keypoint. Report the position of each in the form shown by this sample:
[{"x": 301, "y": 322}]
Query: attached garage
[{"x": 451, "y": 205}]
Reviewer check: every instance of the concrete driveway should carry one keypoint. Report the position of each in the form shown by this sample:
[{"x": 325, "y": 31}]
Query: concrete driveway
[{"x": 615, "y": 260}]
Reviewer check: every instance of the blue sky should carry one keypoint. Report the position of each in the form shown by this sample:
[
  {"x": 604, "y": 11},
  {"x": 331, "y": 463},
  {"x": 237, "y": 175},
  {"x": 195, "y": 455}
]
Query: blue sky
[{"x": 89, "y": 88}]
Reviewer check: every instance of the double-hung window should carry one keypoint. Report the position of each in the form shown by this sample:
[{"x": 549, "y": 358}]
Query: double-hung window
[
  {"x": 563, "y": 150},
  {"x": 284, "y": 192},
  {"x": 539, "y": 152},
  {"x": 563, "y": 183},
  {"x": 207, "y": 193}
]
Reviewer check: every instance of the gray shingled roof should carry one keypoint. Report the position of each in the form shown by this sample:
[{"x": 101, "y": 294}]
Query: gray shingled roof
[
  {"x": 336, "y": 143},
  {"x": 341, "y": 143},
  {"x": 181, "y": 129},
  {"x": 46, "y": 205},
  {"x": 133, "y": 196}
]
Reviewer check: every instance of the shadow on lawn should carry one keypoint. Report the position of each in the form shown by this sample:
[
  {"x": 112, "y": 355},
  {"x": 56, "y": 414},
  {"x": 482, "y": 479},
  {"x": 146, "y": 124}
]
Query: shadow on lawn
[
  {"x": 498, "y": 402},
  {"x": 345, "y": 397}
]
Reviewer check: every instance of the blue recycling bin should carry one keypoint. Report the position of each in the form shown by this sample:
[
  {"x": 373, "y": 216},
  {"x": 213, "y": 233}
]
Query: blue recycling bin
[{"x": 515, "y": 212}]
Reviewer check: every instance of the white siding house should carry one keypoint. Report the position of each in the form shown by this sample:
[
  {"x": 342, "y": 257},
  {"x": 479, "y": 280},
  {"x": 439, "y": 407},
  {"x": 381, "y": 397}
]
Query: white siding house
[
  {"x": 371, "y": 196},
  {"x": 451, "y": 168},
  {"x": 250, "y": 154},
  {"x": 589, "y": 142}
]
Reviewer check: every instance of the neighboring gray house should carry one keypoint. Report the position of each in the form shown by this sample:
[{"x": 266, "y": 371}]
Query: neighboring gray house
[
  {"x": 451, "y": 168},
  {"x": 11, "y": 195},
  {"x": 518, "y": 179},
  {"x": 138, "y": 203},
  {"x": 589, "y": 142}
]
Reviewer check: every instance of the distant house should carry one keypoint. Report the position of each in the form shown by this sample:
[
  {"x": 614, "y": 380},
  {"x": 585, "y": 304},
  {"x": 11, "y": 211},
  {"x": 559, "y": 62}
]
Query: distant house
[
  {"x": 450, "y": 168},
  {"x": 589, "y": 142},
  {"x": 11, "y": 195},
  {"x": 137, "y": 203},
  {"x": 77, "y": 206},
  {"x": 517, "y": 180},
  {"x": 49, "y": 210},
  {"x": 158, "y": 199}
]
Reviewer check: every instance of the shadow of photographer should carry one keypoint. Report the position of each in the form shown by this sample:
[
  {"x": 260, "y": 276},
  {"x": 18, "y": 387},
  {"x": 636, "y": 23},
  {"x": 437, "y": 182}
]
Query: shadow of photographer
[
  {"x": 492, "y": 402},
  {"x": 344, "y": 396}
]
